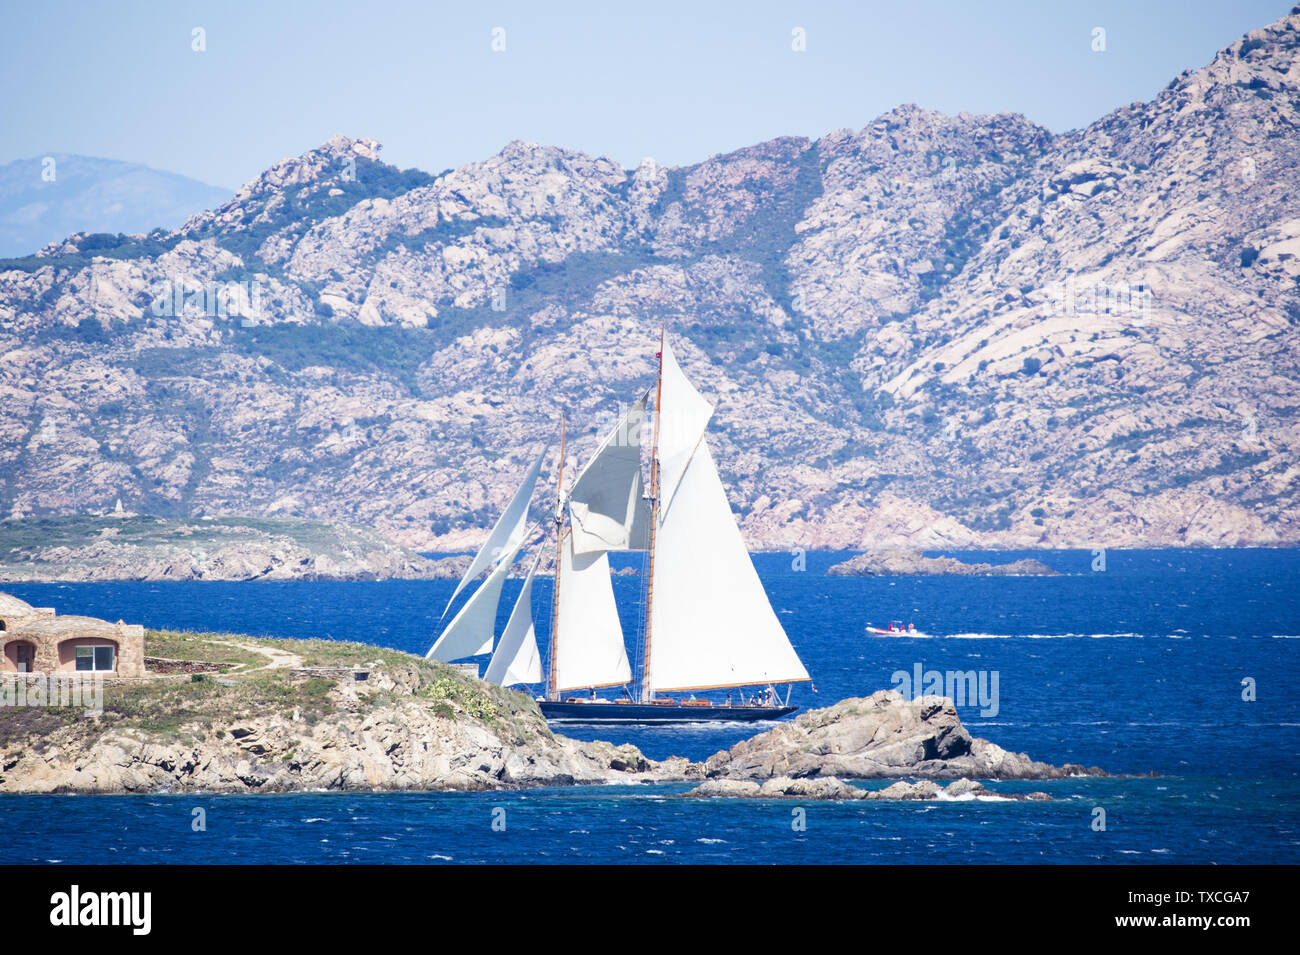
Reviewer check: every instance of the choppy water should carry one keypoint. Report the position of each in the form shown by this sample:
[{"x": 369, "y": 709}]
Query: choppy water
[{"x": 1137, "y": 669}]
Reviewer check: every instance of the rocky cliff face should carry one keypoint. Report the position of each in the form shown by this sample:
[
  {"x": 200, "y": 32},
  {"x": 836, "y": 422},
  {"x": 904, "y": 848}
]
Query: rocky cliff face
[{"x": 935, "y": 331}]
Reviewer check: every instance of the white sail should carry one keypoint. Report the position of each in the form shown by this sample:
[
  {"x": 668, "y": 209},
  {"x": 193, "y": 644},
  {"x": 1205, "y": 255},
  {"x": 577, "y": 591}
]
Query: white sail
[
  {"x": 683, "y": 416},
  {"x": 517, "y": 659},
  {"x": 711, "y": 622},
  {"x": 606, "y": 507},
  {"x": 470, "y": 631},
  {"x": 589, "y": 640},
  {"x": 507, "y": 532}
]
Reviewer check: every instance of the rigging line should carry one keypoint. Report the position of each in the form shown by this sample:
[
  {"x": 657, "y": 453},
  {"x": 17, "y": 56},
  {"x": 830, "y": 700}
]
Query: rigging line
[
  {"x": 551, "y": 671},
  {"x": 647, "y": 681}
]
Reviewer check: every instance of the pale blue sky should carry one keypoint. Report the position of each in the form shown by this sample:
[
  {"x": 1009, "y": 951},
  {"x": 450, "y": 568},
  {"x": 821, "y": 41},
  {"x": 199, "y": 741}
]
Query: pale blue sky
[{"x": 678, "y": 81}]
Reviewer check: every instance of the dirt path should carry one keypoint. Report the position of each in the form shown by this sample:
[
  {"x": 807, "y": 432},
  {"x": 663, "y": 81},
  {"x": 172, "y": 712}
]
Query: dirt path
[{"x": 279, "y": 659}]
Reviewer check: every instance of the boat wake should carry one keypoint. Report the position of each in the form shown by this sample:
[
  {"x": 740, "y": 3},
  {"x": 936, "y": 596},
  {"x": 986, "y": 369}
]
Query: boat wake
[{"x": 1053, "y": 636}]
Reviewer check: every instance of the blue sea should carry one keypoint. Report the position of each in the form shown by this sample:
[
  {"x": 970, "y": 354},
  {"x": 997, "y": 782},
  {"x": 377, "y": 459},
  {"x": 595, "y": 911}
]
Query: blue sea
[{"x": 1145, "y": 668}]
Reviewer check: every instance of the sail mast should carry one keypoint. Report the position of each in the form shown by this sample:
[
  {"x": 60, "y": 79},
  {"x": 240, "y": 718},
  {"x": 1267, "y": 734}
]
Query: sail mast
[
  {"x": 647, "y": 685},
  {"x": 559, "y": 544}
]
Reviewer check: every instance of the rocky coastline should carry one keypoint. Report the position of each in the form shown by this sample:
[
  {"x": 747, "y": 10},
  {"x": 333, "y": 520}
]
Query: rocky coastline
[
  {"x": 133, "y": 547},
  {"x": 784, "y": 787},
  {"x": 257, "y": 715},
  {"x": 122, "y": 546}
]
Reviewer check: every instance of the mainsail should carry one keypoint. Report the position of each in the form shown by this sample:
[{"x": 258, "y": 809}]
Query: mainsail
[
  {"x": 588, "y": 641},
  {"x": 508, "y": 531},
  {"x": 470, "y": 631},
  {"x": 712, "y": 623},
  {"x": 606, "y": 507},
  {"x": 516, "y": 659}
]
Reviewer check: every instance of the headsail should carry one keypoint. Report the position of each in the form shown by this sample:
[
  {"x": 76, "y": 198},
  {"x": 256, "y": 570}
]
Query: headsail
[
  {"x": 713, "y": 625},
  {"x": 508, "y": 530},
  {"x": 606, "y": 506},
  {"x": 590, "y": 650},
  {"x": 683, "y": 415},
  {"x": 470, "y": 631},
  {"x": 517, "y": 659}
]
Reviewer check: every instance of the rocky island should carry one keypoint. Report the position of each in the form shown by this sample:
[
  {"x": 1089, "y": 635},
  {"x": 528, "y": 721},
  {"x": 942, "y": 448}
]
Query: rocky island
[
  {"x": 228, "y": 713},
  {"x": 912, "y": 563},
  {"x": 882, "y": 736}
]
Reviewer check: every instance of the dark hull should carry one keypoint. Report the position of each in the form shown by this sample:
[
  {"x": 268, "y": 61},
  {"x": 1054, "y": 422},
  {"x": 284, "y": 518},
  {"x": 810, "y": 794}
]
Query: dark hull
[{"x": 582, "y": 712}]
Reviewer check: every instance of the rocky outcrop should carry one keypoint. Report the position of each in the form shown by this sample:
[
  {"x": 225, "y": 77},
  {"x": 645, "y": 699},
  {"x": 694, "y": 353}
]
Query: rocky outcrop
[
  {"x": 875, "y": 737},
  {"x": 397, "y": 748},
  {"x": 412, "y": 727},
  {"x": 908, "y": 563}
]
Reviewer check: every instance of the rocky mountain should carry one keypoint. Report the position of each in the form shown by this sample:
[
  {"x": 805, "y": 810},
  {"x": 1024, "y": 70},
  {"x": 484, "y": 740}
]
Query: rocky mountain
[
  {"x": 45, "y": 198},
  {"x": 935, "y": 331}
]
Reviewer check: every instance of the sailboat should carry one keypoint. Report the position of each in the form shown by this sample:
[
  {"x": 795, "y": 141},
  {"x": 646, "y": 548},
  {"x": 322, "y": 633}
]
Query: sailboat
[{"x": 706, "y": 624}]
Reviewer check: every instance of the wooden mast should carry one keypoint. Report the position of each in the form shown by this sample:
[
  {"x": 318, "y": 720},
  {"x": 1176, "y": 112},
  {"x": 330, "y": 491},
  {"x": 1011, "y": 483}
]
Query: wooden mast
[
  {"x": 647, "y": 692},
  {"x": 559, "y": 544}
]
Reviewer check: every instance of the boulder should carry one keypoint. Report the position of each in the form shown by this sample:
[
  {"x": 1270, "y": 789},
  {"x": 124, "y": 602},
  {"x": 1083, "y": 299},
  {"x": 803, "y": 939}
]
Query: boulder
[{"x": 880, "y": 736}]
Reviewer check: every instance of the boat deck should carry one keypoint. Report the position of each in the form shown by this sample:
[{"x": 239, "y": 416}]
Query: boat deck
[{"x": 666, "y": 712}]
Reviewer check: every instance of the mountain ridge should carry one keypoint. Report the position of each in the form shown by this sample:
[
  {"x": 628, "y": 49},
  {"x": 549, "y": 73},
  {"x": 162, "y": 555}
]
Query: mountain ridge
[
  {"x": 45, "y": 198},
  {"x": 937, "y": 331}
]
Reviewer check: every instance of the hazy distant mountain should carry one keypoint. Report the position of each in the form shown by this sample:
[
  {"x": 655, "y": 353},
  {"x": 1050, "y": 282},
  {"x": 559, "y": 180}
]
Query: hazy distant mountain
[
  {"x": 91, "y": 195},
  {"x": 939, "y": 330}
]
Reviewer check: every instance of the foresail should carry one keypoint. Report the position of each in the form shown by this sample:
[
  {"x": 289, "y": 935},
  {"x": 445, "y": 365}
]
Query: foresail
[
  {"x": 711, "y": 622},
  {"x": 517, "y": 659},
  {"x": 508, "y": 530},
  {"x": 606, "y": 506},
  {"x": 589, "y": 642},
  {"x": 470, "y": 631},
  {"x": 683, "y": 416}
]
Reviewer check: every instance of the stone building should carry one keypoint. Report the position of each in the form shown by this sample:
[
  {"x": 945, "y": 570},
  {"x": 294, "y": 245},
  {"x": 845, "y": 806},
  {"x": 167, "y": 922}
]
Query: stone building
[{"x": 36, "y": 640}]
